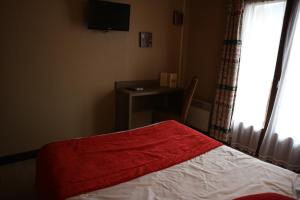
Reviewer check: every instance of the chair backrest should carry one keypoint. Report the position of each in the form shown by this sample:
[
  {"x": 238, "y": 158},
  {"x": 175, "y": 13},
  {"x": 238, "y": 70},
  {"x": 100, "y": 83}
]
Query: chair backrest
[{"x": 188, "y": 99}]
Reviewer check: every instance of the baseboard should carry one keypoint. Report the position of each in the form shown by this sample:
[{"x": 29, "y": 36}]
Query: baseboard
[{"x": 8, "y": 159}]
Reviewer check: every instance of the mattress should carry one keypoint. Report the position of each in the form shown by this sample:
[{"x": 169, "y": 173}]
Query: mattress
[
  {"x": 222, "y": 173},
  {"x": 163, "y": 161}
]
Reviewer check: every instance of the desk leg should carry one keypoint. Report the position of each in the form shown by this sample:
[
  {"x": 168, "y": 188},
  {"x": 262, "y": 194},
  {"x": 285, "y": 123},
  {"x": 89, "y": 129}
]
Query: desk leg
[{"x": 123, "y": 111}]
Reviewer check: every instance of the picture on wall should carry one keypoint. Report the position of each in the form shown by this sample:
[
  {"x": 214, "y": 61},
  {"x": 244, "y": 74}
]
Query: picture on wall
[{"x": 145, "y": 39}]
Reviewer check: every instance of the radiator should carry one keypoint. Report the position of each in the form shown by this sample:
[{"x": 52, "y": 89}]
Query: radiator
[{"x": 199, "y": 115}]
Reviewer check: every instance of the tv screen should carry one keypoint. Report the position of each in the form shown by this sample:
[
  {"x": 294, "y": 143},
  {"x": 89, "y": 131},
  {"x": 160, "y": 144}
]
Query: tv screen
[{"x": 104, "y": 15}]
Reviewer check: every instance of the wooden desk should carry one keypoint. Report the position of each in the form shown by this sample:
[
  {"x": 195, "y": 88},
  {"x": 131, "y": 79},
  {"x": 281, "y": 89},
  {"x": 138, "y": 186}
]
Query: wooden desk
[{"x": 134, "y": 108}]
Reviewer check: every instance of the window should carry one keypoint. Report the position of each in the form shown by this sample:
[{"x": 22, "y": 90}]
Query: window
[
  {"x": 261, "y": 30},
  {"x": 261, "y": 33},
  {"x": 286, "y": 123}
]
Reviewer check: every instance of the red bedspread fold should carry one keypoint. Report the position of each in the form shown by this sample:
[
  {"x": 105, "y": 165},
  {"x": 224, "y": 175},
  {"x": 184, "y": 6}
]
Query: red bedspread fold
[
  {"x": 265, "y": 196},
  {"x": 77, "y": 166}
]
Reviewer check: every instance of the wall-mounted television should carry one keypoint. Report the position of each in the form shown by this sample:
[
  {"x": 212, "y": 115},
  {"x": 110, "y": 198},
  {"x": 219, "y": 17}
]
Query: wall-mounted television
[{"x": 106, "y": 15}]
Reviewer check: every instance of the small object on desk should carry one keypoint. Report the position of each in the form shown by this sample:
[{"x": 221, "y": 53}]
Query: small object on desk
[
  {"x": 164, "y": 79},
  {"x": 168, "y": 79},
  {"x": 139, "y": 89},
  {"x": 172, "y": 80},
  {"x": 136, "y": 88}
]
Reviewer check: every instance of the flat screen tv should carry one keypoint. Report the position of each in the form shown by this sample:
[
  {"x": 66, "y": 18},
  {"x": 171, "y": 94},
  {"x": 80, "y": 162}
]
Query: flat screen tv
[{"x": 104, "y": 15}]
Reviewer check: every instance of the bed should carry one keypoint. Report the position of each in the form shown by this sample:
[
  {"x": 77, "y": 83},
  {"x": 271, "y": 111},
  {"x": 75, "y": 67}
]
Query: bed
[{"x": 167, "y": 160}]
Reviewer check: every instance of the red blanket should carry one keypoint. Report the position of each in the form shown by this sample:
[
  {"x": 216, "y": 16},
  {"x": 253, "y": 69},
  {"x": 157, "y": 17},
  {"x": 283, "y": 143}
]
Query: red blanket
[
  {"x": 77, "y": 166},
  {"x": 265, "y": 196}
]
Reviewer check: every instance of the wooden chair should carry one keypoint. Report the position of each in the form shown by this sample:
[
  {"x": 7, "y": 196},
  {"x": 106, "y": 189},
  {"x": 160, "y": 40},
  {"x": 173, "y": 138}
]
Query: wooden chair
[{"x": 181, "y": 116}]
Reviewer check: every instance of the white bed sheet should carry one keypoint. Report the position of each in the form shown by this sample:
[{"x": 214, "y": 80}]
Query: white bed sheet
[{"x": 222, "y": 173}]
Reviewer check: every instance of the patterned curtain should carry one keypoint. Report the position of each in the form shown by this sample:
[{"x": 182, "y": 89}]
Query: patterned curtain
[{"x": 228, "y": 74}]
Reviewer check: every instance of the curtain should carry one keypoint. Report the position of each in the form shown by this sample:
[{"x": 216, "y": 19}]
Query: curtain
[
  {"x": 262, "y": 24},
  {"x": 281, "y": 144},
  {"x": 227, "y": 78}
]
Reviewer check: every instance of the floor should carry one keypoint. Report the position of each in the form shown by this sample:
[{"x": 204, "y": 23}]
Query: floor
[{"x": 17, "y": 180}]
